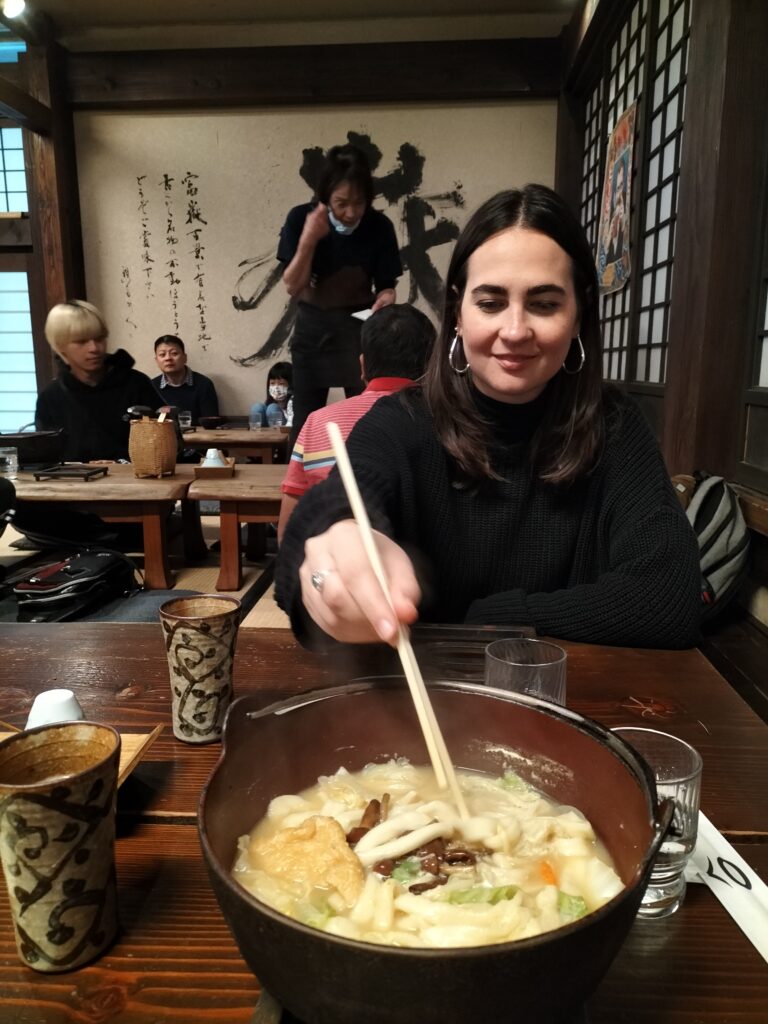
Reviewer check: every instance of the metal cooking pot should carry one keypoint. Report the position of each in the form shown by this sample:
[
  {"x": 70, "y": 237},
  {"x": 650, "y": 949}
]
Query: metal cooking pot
[{"x": 323, "y": 979}]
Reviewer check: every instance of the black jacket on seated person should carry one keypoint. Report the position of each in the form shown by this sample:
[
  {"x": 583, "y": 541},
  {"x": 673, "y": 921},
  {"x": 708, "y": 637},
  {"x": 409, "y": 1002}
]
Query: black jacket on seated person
[{"x": 92, "y": 415}]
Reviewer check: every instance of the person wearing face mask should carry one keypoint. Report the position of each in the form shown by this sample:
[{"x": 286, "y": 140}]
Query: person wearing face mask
[
  {"x": 340, "y": 256},
  {"x": 279, "y": 395}
]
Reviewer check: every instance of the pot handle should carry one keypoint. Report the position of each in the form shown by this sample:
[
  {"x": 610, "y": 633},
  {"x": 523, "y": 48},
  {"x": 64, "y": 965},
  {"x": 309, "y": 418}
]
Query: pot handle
[
  {"x": 282, "y": 707},
  {"x": 268, "y": 1010},
  {"x": 665, "y": 812}
]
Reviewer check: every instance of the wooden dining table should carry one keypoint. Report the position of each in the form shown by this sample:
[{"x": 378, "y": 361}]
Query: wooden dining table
[
  {"x": 259, "y": 444},
  {"x": 174, "y": 959},
  {"x": 252, "y": 495},
  {"x": 121, "y": 497}
]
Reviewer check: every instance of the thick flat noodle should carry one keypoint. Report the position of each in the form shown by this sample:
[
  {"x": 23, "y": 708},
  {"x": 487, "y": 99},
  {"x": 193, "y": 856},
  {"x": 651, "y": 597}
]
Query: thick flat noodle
[{"x": 420, "y": 875}]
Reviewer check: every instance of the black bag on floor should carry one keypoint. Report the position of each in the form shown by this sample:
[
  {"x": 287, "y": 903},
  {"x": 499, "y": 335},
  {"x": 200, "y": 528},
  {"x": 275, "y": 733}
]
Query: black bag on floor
[{"x": 67, "y": 589}]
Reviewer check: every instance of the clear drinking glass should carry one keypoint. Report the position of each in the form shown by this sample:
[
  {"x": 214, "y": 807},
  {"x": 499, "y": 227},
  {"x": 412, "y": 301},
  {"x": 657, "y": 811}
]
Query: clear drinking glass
[
  {"x": 676, "y": 767},
  {"x": 9, "y": 462},
  {"x": 275, "y": 419},
  {"x": 185, "y": 420},
  {"x": 254, "y": 423},
  {"x": 523, "y": 665}
]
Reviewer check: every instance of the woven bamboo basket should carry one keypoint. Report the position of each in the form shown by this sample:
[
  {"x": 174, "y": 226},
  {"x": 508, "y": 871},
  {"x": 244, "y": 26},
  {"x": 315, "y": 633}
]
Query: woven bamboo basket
[{"x": 152, "y": 447}]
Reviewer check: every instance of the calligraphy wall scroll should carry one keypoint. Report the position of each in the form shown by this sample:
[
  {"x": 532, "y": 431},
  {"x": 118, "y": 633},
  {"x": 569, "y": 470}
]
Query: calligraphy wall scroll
[{"x": 181, "y": 214}]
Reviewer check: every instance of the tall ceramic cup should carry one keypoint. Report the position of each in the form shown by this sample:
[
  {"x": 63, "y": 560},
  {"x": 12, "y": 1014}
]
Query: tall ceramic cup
[
  {"x": 200, "y": 635},
  {"x": 57, "y": 841}
]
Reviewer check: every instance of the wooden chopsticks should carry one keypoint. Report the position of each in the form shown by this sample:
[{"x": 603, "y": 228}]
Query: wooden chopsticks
[{"x": 433, "y": 737}]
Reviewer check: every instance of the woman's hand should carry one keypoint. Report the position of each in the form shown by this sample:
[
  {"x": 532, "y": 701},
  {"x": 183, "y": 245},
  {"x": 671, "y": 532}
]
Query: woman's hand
[
  {"x": 350, "y": 605},
  {"x": 316, "y": 225},
  {"x": 384, "y": 298}
]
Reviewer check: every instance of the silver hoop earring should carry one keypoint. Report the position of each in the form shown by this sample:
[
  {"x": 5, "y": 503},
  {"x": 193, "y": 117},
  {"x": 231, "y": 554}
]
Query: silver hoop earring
[
  {"x": 582, "y": 358},
  {"x": 451, "y": 358}
]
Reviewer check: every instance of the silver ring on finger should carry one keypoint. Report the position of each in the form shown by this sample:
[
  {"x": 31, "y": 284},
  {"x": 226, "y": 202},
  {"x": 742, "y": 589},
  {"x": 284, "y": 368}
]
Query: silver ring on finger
[{"x": 318, "y": 578}]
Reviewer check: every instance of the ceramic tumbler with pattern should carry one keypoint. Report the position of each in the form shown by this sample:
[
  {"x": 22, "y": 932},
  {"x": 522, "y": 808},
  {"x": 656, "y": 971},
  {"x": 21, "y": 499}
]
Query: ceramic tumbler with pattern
[
  {"x": 58, "y": 785},
  {"x": 200, "y": 634}
]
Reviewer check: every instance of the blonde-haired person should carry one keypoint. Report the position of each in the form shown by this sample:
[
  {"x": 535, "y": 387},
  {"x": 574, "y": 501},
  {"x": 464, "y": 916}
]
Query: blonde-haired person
[{"x": 93, "y": 389}]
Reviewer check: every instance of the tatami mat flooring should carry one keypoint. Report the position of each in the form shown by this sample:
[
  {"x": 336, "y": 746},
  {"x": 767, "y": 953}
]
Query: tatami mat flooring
[{"x": 265, "y": 614}]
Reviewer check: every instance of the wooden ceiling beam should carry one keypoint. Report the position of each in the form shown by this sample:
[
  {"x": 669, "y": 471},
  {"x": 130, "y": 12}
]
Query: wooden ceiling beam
[
  {"x": 375, "y": 72},
  {"x": 34, "y": 27},
  {"x": 24, "y": 109}
]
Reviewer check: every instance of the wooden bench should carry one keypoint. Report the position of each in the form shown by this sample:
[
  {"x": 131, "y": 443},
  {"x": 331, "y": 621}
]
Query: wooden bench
[{"x": 737, "y": 641}]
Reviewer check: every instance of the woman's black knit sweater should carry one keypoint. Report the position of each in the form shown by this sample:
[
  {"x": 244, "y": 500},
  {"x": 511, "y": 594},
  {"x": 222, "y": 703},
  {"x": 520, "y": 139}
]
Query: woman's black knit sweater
[{"x": 610, "y": 560}]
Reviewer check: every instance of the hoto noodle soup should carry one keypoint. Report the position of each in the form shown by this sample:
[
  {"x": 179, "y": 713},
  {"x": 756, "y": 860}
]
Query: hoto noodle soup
[{"x": 382, "y": 855}]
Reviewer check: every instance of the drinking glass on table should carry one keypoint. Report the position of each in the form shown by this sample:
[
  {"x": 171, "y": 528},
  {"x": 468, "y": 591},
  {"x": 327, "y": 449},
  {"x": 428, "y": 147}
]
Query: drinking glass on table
[
  {"x": 254, "y": 422},
  {"x": 676, "y": 767},
  {"x": 9, "y": 462},
  {"x": 185, "y": 420},
  {"x": 275, "y": 419},
  {"x": 524, "y": 665}
]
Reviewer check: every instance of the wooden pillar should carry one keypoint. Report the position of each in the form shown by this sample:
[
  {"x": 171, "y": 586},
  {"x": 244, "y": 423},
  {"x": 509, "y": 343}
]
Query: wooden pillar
[
  {"x": 722, "y": 189},
  {"x": 569, "y": 155},
  {"x": 54, "y": 206}
]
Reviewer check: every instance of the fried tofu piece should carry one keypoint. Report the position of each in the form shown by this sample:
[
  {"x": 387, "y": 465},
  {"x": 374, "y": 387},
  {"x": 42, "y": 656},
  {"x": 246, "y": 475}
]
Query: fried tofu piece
[{"x": 313, "y": 854}]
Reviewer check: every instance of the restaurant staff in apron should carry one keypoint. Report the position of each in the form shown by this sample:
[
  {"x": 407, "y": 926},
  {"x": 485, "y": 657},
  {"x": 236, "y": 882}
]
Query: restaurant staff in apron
[{"x": 340, "y": 256}]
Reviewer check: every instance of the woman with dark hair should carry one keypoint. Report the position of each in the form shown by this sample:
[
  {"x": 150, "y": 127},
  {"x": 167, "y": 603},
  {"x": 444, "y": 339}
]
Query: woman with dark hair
[
  {"x": 340, "y": 256},
  {"x": 523, "y": 489}
]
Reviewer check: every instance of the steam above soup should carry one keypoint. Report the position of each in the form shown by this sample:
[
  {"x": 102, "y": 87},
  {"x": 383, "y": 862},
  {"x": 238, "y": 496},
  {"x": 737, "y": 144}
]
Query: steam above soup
[{"x": 381, "y": 856}]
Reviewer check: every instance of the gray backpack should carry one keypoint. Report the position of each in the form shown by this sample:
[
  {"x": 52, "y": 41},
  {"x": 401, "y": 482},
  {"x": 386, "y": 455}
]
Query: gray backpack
[{"x": 713, "y": 511}]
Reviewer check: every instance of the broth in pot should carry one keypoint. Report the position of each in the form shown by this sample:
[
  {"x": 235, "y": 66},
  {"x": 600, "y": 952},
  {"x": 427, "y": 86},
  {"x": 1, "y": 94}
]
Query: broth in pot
[{"x": 383, "y": 856}]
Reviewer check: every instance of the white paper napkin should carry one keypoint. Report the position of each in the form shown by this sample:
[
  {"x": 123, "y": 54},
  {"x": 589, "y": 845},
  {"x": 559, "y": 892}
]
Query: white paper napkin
[{"x": 741, "y": 891}]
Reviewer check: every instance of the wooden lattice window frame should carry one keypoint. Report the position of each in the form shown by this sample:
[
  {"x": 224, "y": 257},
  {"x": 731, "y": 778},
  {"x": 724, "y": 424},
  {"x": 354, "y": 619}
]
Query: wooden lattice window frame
[
  {"x": 639, "y": 58},
  {"x": 752, "y": 466},
  {"x": 663, "y": 133}
]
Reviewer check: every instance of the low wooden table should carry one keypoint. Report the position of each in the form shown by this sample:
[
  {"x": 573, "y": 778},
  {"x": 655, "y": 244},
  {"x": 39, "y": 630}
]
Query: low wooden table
[
  {"x": 252, "y": 495},
  {"x": 121, "y": 497},
  {"x": 258, "y": 444},
  {"x": 175, "y": 960}
]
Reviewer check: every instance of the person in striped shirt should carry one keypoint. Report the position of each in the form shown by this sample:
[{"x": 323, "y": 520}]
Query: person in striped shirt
[{"x": 395, "y": 342}]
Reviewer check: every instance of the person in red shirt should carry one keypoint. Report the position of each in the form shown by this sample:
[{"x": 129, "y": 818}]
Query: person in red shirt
[{"x": 395, "y": 342}]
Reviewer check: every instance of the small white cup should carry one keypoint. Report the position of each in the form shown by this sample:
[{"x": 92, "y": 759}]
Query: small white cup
[
  {"x": 213, "y": 457},
  {"x": 53, "y": 706}
]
